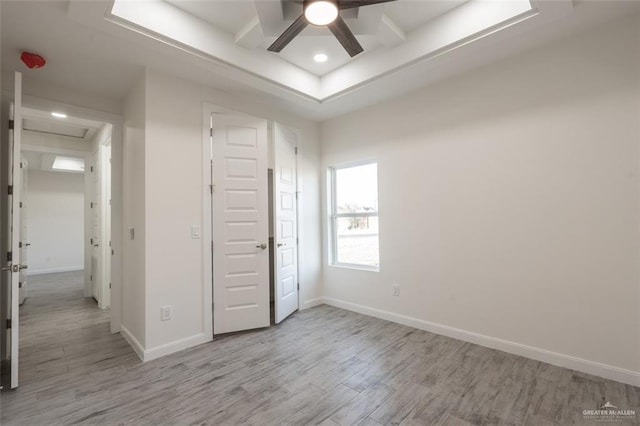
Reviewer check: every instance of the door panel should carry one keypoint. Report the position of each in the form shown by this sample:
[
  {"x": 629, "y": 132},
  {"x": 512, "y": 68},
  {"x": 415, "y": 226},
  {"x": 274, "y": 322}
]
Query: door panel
[
  {"x": 13, "y": 266},
  {"x": 240, "y": 224},
  {"x": 96, "y": 270},
  {"x": 286, "y": 259},
  {"x": 24, "y": 244},
  {"x": 105, "y": 178}
]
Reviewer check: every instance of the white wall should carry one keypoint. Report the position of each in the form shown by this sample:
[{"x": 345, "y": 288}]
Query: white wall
[
  {"x": 133, "y": 216},
  {"x": 55, "y": 219},
  {"x": 509, "y": 204},
  {"x": 174, "y": 202}
]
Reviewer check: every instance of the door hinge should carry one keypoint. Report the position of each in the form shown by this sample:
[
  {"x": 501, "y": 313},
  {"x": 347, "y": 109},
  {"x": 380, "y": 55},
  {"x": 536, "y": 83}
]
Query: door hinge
[
  {"x": 109, "y": 286},
  {"x": 20, "y": 204},
  {"x": 90, "y": 277},
  {"x": 91, "y": 241},
  {"x": 19, "y": 284},
  {"x": 297, "y": 241},
  {"x": 91, "y": 169},
  {"x": 10, "y": 124},
  {"x": 9, "y": 256},
  {"x": 112, "y": 252},
  {"x": 296, "y": 150},
  {"x": 8, "y": 323},
  {"x": 91, "y": 204},
  {"x": 298, "y": 286},
  {"x": 21, "y": 164},
  {"x": 211, "y": 131},
  {"x": 19, "y": 244},
  {"x": 10, "y": 190}
]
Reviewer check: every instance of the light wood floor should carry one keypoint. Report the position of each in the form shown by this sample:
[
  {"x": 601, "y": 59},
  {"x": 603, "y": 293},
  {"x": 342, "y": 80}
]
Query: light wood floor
[{"x": 321, "y": 366}]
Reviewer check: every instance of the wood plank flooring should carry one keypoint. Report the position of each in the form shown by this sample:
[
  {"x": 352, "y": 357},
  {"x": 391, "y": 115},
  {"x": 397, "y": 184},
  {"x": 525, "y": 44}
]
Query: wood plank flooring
[{"x": 321, "y": 366}]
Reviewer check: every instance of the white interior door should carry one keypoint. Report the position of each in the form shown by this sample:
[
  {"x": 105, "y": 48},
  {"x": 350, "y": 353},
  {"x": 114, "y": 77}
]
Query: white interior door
[
  {"x": 240, "y": 224},
  {"x": 13, "y": 266},
  {"x": 105, "y": 177},
  {"x": 95, "y": 238},
  {"x": 286, "y": 242},
  {"x": 24, "y": 244}
]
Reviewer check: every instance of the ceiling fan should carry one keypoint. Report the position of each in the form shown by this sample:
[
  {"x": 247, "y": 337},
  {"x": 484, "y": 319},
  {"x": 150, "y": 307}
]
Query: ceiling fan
[{"x": 323, "y": 13}]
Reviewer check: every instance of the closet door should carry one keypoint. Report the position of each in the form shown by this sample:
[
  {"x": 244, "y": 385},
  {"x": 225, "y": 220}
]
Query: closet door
[
  {"x": 286, "y": 241},
  {"x": 240, "y": 224}
]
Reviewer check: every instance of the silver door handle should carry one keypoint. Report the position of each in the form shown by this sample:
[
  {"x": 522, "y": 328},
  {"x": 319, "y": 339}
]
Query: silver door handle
[
  {"x": 262, "y": 246},
  {"x": 23, "y": 267},
  {"x": 12, "y": 268},
  {"x": 281, "y": 244}
]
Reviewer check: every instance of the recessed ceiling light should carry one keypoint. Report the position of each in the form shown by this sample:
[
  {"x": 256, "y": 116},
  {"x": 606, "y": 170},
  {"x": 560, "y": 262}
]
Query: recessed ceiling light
[
  {"x": 59, "y": 114},
  {"x": 320, "y": 57},
  {"x": 321, "y": 12},
  {"x": 69, "y": 164}
]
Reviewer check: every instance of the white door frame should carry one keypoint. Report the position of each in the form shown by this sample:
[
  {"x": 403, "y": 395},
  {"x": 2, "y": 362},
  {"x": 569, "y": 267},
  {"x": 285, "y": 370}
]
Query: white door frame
[{"x": 116, "y": 187}]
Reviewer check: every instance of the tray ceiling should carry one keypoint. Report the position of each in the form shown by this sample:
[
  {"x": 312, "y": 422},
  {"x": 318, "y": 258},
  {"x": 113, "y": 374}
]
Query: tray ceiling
[{"x": 396, "y": 36}]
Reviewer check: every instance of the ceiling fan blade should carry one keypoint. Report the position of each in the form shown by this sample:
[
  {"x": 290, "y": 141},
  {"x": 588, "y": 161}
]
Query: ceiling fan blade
[
  {"x": 351, "y": 4},
  {"x": 344, "y": 35},
  {"x": 289, "y": 34}
]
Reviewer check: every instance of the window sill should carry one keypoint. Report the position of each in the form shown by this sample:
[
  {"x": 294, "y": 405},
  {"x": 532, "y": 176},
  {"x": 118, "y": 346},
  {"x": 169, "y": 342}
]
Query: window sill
[{"x": 356, "y": 267}]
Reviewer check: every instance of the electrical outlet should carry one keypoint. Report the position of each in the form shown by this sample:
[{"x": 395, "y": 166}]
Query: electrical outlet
[
  {"x": 165, "y": 313},
  {"x": 396, "y": 289}
]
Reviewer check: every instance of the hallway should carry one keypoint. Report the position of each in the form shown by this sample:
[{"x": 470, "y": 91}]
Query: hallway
[{"x": 64, "y": 340}]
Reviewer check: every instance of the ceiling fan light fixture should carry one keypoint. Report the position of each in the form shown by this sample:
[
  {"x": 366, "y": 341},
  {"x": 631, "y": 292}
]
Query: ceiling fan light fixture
[{"x": 320, "y": 12}]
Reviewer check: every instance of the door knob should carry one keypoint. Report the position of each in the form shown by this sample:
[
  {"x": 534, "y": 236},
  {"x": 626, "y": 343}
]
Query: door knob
[
  {"x": 262, "y": 246},
  {"x": 12, "y": 268}
]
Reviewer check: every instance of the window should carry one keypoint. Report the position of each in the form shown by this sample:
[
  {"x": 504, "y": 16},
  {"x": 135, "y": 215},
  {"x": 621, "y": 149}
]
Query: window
[{"x": 354, "y": 216}]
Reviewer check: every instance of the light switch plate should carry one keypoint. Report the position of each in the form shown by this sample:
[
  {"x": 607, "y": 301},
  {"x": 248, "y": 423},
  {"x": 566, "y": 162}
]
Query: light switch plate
[{"x": 195, "y": 232}]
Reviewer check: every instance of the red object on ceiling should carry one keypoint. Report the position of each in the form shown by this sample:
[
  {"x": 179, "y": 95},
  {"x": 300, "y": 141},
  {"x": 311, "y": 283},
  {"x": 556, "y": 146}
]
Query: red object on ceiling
[{"x": 32, "y": 60}]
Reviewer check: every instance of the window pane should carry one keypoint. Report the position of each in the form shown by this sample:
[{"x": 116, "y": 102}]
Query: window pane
[
  {"x": 357, "y": 240},
  {"x": 357, "y": 189}
]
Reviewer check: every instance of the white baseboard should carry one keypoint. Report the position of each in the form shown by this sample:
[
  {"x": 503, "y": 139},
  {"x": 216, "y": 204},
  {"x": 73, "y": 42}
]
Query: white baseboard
[
  {"x": 177, "y": 346},
  {"x": 54, "y": 270},
  {"x": 133, "y": 342},
  {"x": 561, "y": 360},
  {"x": 312, "y": 302}
]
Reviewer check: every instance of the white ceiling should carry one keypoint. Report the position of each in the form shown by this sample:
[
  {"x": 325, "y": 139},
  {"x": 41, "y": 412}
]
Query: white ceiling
[
  {"x": 104, "y": 57},
  {"x": 44, "y": 123},
  {"x": 37, "y": 160}
]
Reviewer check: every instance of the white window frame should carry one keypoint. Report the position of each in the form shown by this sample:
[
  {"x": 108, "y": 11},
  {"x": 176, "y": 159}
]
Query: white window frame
[{"x": 334, "y": 215}]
